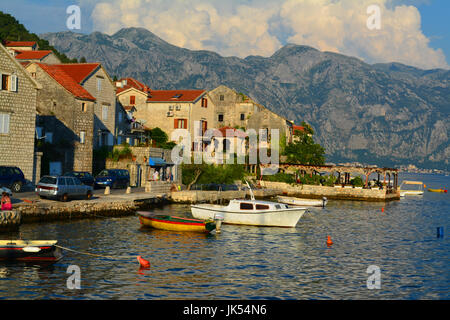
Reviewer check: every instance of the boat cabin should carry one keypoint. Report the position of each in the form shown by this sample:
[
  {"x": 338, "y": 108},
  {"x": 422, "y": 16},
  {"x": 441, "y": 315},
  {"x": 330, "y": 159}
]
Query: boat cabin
[{"x": 254, "y": 205}]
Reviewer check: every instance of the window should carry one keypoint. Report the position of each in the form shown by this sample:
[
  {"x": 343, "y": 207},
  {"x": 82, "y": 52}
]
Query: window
[
  {"x": 132, "y": 99},
  {"x": 49, "y": 137},
  {"x": 4, "y": 123},
  {"x": 262, "y": 207},
  {"x": 70, "y": 181},
  {"x": 204, "y": 103},
  {"x": 82, "y": 137},
  {"x": 9, "y": 82},
  {"x": 180, "y": 124},
  {"x": 246, "y": 206},
  {"x": 177, "y": 96},
  {"x": 104, "y": 112},
  {"x": 242, "y": 116},
  {"x": 62, "y": 181},
  {"x": 84, "y": 106},
  {"x": 99, "y": 84},
  {"x": 221, "y": 97},
  {"x": 220, "y": 118},
  {"x": 178, "y": 108}
]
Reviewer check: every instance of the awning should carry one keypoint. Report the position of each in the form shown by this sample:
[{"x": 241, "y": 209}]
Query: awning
[{"x": 157, "y": 162}]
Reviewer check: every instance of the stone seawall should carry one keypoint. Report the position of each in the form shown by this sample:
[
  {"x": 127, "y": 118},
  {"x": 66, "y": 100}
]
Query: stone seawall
[
  {"x": 196, "y": 196},
  {"x": 79, "y": 209},
  {"x": 338, "y": 193},
  {"x": 10, "y": 220}
]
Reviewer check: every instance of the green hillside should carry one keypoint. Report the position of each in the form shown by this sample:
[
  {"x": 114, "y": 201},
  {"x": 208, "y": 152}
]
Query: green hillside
[{"x": 13, "y": 30}]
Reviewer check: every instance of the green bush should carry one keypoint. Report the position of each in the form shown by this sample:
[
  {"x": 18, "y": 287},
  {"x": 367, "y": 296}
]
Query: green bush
[
  {"x": 357, "y": 182},
  {"x": 220, "y": 174}
]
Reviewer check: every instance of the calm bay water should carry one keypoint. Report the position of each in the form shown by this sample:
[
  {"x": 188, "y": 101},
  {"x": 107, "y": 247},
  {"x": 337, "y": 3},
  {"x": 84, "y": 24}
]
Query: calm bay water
[{"x": 251, "y": 262}]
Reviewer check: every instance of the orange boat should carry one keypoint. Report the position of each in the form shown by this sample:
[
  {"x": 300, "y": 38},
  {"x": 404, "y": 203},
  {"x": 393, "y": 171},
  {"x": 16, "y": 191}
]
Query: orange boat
[{"x": 172, "y": 223}]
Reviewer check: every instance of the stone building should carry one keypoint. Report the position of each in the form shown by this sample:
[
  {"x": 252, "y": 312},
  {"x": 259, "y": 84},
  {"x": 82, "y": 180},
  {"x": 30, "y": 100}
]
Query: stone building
[
  {"x": 65, "y": 120},
  {"x": 18, "y": 94},
  {"x": 177, "y": 109},
  {"x": 236, "y": 110},
  {"x": 95, "y": 80}
]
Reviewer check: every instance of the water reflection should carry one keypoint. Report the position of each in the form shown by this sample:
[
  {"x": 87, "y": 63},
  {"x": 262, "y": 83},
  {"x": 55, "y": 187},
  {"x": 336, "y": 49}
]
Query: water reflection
[{"x": 246, "y": 262}]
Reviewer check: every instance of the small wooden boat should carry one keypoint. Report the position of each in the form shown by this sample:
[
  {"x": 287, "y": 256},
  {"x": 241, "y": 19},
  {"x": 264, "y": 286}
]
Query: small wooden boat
[
  {"x": 413, "y": 192},
  {"x": 438, "y": 190},
  {"x": 30, "y": 251},
  {"x": 303, "y": 202},
  {"x": 172, "y": 223}
]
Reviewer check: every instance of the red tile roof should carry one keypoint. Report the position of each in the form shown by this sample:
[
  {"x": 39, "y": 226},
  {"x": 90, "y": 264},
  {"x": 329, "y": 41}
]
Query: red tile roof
[
  {"x": 78, "y": 71},
  {"x": 20, "y": 43},
  {"x": 234, "y": 132},
  {"x": 132, "y": 83},
  {"x": 59, "y": 74},
  {"x": 32, "y": 55},
  {"x": 299, "y": 128},
  {"x": 174, "y": 95}
]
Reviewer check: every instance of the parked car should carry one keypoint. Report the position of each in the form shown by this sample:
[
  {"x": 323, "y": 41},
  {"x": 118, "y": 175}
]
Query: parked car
[
  {"x": 84, "y": 177},
  {"x": 114, "y": 178},
  {"x": 12, "y": 178},
  {"x": 62, "y": 188},
  {"x": 7, "y": 190}
]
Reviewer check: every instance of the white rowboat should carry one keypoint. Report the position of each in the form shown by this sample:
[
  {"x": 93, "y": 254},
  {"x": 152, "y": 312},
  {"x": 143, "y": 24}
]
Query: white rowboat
[{"x": 303, "y": 202}]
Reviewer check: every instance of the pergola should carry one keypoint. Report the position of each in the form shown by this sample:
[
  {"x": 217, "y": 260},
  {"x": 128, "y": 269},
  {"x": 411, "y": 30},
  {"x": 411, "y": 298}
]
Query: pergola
[{"x": 344, "y": 172}]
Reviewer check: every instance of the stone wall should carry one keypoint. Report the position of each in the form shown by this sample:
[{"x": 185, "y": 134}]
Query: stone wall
[
  {"x": 105, "y": 97},
  {"x": 17, "y": 144},
  {"x": 61, "y": 114},
  {"x": 338, "y": 192}
]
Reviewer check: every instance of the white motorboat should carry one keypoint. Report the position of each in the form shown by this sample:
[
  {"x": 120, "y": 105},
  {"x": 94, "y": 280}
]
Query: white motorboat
[
  {"x": 250, "y": 212},
  {"x": 414, "y": 192},
  {"x": 303, "y": 202}
]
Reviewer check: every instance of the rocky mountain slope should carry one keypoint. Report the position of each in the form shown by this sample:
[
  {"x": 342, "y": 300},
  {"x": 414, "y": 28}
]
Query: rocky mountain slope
[{"x": 384, "y": 114}]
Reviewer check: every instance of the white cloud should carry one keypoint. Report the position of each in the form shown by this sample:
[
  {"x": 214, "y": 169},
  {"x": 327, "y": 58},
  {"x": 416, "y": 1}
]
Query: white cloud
[{"x": 260, "y": 27}]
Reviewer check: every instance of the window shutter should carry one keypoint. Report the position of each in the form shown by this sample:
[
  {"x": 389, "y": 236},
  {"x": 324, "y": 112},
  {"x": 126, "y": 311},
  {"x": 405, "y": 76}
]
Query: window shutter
[
  {"x": 13, "y": 85},
  {"x": 175, "y": 124},
  {"x": 1, "y": 82}
]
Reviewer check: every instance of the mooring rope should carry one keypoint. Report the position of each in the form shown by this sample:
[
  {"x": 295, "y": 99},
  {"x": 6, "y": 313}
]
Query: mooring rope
[{"x": 96, "y": 255}]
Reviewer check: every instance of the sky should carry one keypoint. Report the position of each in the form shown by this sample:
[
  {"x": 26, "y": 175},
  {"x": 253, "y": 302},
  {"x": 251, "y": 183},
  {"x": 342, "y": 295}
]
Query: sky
[{"x": 413, "y": 32}]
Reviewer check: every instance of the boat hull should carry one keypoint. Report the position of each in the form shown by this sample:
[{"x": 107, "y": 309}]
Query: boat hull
[
  {"x": 278, "y": 218},
  {"x": 302, "y": 202},
  {"x": 171, "y": 223},
  {"x": 438, "y": 190},
  {"x": 29, "y": 251}
]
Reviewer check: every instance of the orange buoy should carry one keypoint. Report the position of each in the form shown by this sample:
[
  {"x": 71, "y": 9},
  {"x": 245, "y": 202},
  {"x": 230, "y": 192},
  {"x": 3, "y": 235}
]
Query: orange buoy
[
  {"x": 329, "y": 242},
  {"x": 143, "y": 263}
]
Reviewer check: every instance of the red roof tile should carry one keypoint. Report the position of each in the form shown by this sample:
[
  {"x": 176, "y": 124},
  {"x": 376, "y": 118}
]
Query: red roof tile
[
  {"x": 132, "y": 83},
  {"x": 234, "y": 132},
  {"x": 32, "y": 55},
  {"x": 299, "y": 128},
  {"x": 78, "y": 71},
  {"x": 20, "y": 43},
  {"x": 174, "y": 95},
  {"x": 59, "y": 74}
]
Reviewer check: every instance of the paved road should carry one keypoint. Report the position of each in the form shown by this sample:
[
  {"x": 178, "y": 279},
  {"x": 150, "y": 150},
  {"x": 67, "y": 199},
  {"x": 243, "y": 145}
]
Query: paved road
[{"x": 29, "y": 193}]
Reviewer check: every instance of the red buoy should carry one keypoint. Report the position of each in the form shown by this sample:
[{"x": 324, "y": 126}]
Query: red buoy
[
  {"x": 329, "y": 242},
  {"x": 143, "y": 263}
]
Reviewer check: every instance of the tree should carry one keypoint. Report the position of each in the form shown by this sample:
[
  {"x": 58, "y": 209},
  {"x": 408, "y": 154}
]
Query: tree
[
  {"x": 303, "y": 150},
  {"x": 83, "y": 60}
]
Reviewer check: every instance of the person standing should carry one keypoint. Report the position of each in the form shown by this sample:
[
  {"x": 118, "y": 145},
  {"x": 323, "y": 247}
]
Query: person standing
[{"x": 6, "y": 202}]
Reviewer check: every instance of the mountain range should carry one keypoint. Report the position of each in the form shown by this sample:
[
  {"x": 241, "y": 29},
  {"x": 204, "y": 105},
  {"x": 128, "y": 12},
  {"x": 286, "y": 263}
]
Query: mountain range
[{"x": 386, "y": 114}]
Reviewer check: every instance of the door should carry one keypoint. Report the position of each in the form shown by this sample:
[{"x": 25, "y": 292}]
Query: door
[{"x": 55, "y": 168}]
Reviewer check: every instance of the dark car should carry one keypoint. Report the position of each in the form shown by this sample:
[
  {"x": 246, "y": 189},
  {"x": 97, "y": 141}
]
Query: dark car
[
  {"x": 85, "y": 177},
  {"x": 12, "y": 178},
  {"x": 114, "y": 178}
]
